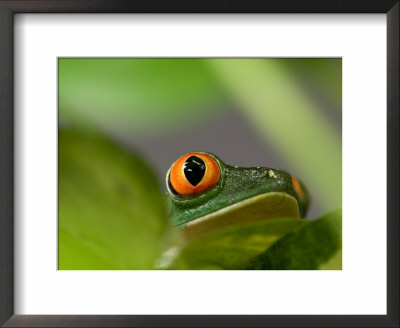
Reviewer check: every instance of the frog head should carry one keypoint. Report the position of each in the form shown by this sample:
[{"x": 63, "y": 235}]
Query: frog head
[{"x": 205, "y": 194}]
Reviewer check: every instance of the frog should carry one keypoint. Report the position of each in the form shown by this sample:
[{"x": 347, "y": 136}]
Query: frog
[{"x": 204, "y": 194}]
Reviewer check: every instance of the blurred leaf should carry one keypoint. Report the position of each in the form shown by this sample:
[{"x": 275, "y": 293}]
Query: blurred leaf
[
  {"x": 111, "y": 210},
  {"x": 334, "y": 263},
  {"x": 234, "y": 247},
  {"x": 137, "y": 95},
  {"x": 322, "y": 74},
  {"x": 285, "y": 116},
  {"x": 314, "y": 245}
]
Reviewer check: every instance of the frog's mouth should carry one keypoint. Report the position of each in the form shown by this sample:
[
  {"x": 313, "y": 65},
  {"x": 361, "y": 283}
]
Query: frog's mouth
[{"x": 270, "y": 205}]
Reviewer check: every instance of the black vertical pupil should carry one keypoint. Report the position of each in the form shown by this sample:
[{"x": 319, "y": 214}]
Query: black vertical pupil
[{"x": 194, "y": 169}]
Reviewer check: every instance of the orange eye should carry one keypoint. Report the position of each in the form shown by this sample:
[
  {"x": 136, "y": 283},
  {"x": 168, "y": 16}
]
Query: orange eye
[
  {"x": 297, "y": 187},
  {"x": 194, "y": 173}
]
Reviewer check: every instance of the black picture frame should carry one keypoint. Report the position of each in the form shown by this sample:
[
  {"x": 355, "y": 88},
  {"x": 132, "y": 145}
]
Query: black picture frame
[{"x": 7, "y": 11}]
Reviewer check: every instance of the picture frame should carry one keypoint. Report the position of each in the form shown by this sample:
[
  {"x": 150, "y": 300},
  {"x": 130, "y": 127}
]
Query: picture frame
[{"x": 7, "y": 11}]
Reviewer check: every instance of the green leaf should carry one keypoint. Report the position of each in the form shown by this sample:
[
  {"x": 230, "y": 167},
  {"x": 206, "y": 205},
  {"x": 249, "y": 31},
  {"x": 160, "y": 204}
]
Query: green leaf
[
  {"x": 137, "y": 95},
  {"x": 323, "y": 75},
  {"x": 314, "y": 245},
  {"x": 111, "y": 210},
  {"x": 233, "y": 247},
  {"x": 285, "y": 116}
]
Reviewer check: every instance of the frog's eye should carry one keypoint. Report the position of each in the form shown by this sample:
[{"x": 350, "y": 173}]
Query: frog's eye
[
  {"x": 297, "y": 187},
  {"x": 193, "y": 174}
]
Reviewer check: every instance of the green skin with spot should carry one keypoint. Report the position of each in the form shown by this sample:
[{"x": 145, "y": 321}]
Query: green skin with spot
[{"x": 234, "y": 185}]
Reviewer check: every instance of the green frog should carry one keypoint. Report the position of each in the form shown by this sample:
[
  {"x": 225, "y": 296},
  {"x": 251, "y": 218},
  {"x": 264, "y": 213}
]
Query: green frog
[{"x": 205, "y": 194}]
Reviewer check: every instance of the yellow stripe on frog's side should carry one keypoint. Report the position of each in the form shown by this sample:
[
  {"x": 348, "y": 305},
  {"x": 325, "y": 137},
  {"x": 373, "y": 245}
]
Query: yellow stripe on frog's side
[{"x": 265, "y": 206}]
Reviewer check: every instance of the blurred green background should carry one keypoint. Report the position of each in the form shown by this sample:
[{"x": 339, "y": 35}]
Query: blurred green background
[{"x": 283, "y": 113}]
